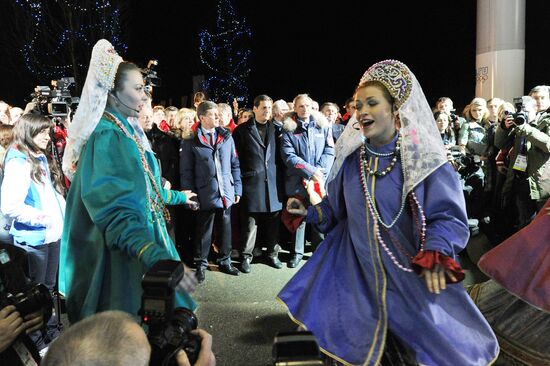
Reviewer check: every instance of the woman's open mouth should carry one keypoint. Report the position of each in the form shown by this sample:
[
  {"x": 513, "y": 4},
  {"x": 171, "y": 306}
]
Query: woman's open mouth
[{"x": 365, "y": 122}]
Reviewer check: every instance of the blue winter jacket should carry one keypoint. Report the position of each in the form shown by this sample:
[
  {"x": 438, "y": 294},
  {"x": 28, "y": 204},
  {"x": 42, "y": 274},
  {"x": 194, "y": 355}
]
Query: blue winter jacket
[
  {"x": 33, "y": 235},
  {"x": 305, "y": 147},
  {"x": 203, "y": 166}
]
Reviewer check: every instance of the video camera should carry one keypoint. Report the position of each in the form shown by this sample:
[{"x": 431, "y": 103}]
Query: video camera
[
  {"x": 150, "y": 76},
  {"x": 169, "y": 328},
  {"x": 55, "y": 101},
  {"x": 18, "y": 291},
  {"x": 520, "y": 116}
]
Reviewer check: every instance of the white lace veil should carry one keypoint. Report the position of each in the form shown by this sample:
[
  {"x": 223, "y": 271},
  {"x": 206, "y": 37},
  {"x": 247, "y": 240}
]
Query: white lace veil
[
  {"x": 99, "y": 81},
  {"x": 422, "y": 150},
  {"x": 349, "y": 141}
]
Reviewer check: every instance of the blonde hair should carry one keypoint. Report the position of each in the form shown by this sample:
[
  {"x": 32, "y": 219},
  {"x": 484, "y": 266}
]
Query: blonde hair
[
  {"x": 182, "y": 113},
  {"x": 481, "y": 103}
]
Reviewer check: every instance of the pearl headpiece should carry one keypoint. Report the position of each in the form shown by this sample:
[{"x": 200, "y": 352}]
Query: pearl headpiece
[
  {"x": 395, "y": 76},
  {"x": 99, "y": 81},
  {"x": 105, "y": 61}
]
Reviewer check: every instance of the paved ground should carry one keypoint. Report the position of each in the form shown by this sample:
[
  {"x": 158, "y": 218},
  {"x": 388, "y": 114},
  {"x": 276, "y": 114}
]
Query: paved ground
[{"x": 242, "y": 314}]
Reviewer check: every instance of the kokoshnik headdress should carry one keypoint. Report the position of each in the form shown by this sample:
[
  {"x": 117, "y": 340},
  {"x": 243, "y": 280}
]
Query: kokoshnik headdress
[
  {"x": 422, "y": 150},
  {"x": 99, "y": 81}
]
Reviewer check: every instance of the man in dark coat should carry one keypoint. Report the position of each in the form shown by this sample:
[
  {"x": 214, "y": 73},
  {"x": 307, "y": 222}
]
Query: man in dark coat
[
  {"x": 256, "y": 142},
  {"x": 209, "y": 165}
]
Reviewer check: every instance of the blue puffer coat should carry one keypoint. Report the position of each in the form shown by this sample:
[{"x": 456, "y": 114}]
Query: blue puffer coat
[{"x": 305, "y": 147}]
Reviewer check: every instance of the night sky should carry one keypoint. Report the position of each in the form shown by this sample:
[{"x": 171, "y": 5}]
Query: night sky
[{"x": 299, "y": 46}]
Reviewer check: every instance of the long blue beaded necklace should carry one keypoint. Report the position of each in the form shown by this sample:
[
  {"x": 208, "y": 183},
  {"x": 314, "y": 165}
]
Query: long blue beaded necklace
[{"x": 365, "y": 171}]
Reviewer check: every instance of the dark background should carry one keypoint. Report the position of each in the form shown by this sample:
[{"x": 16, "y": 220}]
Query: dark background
[{"x": 302, "y": 46}]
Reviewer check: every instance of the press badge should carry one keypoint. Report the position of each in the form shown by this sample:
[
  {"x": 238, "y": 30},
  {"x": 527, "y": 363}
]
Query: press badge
[{"x": 521, "y": 163}]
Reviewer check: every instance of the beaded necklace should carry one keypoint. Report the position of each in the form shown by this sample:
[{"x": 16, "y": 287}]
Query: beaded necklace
[
  {"x": 155, "y": 205},
  {"x": 363, "y": 161},
  {"x": 420, "y": 220},
  {"x": 388, "y": 169},
  {"x": 375, "y": 153}
]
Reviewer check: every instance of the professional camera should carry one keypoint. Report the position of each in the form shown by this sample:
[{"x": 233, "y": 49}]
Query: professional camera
[
  {"x": 520, "y": 116},
  {"x": 467, "y": 164},
  {"x": 169, "y": 329},
  {"x": 19, "y": 292},
  {"x": 150, "y": 75},
  {"x": 55, "y": 101},
  {"x": 296, "y": 348}
]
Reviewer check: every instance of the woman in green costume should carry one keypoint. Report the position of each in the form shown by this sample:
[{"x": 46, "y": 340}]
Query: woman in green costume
[{"x": 115, "y": 222}]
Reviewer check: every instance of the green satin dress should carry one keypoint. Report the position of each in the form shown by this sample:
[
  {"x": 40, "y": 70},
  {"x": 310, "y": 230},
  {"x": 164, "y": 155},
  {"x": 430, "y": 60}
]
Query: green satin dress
[{"x": 112, "y": 233}]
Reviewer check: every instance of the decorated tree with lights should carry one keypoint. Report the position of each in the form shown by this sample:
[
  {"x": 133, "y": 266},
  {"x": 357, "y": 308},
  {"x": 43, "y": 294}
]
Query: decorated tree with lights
[
  {"x": 225, "y": 52},
  {"x": 55, "y": 38}
]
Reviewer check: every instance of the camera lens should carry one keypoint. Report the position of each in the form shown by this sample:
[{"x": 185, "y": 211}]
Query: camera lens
[
  {"x": 185, "y": 319},
  {"x": 520, "y": 119},
  {"x": 35, "y": 299}
]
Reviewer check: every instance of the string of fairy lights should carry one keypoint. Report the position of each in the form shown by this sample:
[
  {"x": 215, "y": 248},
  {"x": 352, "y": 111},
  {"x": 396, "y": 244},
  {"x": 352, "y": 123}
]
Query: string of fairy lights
[
  {"x": 99, "y": 17},
  {"x": 225, "y": 52}
]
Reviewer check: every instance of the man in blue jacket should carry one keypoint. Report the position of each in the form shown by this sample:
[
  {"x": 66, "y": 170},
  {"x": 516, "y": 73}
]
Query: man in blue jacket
[
  {"x": 307, "y": 150},
  {"x": 209, "y": 164}
]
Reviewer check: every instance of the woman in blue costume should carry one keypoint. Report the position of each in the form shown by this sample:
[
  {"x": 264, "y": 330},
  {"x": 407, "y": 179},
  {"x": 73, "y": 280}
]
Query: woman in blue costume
[
  {"x": 115, "y": 228},
  {"x": 396, "y": 220}
]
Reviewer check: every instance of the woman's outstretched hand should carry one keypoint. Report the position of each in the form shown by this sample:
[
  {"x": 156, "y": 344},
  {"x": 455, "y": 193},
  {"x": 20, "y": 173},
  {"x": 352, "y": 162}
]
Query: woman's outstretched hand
[{"x": 435, "y": 278}]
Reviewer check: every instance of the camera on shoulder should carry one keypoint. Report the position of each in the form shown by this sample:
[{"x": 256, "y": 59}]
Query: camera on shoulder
[
  {"x": 150, "y": 76},
  {"x": 57, "y": 100},
  {"x": 18, "y": 291},
  {"x": 169, "y": 328}
]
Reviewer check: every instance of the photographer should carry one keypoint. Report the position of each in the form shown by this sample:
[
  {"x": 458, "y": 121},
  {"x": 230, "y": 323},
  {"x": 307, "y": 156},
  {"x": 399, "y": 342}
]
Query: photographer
[
  {"x": 530, "y": 135},
  {"x": 445, "y": 104},
  {"x": 114, "y": 338},
  {"x": 15, "y": 345}
]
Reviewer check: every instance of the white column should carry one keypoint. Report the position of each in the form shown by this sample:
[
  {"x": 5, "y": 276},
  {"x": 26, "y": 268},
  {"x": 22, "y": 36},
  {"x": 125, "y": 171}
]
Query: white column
[{"x": 500, "y": 49}]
